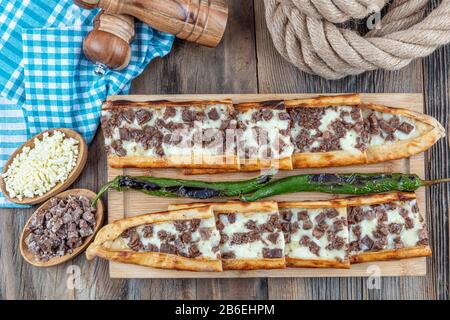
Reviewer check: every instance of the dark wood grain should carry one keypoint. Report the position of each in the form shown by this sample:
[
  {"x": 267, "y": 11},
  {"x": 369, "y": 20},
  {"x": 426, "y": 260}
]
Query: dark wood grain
[
  {"x": 436, "y": 89},
  {"x": 247, "y": 62},
  {"x": 276, "y": 75},
  {"x": 231, "y": 67}
]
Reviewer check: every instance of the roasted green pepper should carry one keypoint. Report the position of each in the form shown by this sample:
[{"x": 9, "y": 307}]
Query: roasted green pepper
[
  {"x": 166, "y": 187},
  {"x": 355, "y": 183},
  {"x": 261, "y": 187}
]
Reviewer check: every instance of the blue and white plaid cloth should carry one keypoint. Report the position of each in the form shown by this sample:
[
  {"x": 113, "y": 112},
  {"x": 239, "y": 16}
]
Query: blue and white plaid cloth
[{"x": 45, "y": 80}]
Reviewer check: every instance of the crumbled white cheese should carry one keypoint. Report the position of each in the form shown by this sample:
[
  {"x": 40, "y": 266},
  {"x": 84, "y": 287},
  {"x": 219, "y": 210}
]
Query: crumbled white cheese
[{"x": 33, "y": 172}]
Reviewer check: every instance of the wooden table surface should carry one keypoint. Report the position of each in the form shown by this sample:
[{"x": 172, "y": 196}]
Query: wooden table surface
[{"x": 246, "y": 62}]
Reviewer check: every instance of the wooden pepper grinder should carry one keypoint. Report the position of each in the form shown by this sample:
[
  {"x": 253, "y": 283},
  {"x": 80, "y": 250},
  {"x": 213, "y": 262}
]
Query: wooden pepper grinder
[
  {"x": 109, "y": 43},
  {"x": 198, "y": 21}
]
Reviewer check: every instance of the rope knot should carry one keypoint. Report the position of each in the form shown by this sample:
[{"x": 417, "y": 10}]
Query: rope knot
[{"x": 307, "y": 34}]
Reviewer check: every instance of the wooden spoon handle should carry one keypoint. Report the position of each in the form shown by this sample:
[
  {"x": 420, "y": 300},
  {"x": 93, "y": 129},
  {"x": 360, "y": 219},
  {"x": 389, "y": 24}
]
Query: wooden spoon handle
[{"x": 109, "y": 43}]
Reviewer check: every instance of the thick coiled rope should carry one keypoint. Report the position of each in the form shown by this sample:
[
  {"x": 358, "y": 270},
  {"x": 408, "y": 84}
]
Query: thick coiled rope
[{"x": 307, "y": 33}]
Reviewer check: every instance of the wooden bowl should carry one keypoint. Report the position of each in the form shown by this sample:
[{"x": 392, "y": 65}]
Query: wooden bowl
[
  {"x": 99, "y": 216},
  {"x": 59, "y": 187}
]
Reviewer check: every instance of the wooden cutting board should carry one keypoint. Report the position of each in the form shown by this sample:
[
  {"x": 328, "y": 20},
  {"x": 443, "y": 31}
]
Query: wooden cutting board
[{"x": 132, "y": 203}]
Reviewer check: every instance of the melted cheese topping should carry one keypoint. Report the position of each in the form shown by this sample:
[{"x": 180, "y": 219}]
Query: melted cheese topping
[
  {"x": 192, "y": 136},
  {"x": 212, "y": 129},
  {"x": 295, "y": 250},
  {"x": 132, "y": 148},
  {"x": 248, "y": 139},
  {"x": 409, "y": 237},
  {"x": 194, "y": 147},
  {"x": 379, "y": 139},
  {"x": 254, "y": 249},
  {"x": 347, "y": 143},
  {"x": 204, "y": 246}
]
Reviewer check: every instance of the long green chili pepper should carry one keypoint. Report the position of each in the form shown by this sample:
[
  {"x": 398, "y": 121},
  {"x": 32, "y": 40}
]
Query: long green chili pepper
[
  {"x": 166, "y": 187},
  {"x": 356, "y": 183}
]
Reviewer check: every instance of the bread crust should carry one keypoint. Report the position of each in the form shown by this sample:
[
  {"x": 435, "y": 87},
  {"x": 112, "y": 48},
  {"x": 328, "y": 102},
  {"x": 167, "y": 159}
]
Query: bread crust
[
  {"x": 260, "y": 164},
  {"x": 298, "y": 160},
  {"x": 253, "y": 264},
  {"x": 107, "y": 105},
  {"x": 374, "y": 199},
  {"x": 392, "y": 254},
  {"x": 228, "y": 207},
  {"x": 226, "y": 162},
  {"x": 338, "y": 158},
  {"x": 352, "y": 99},
  {"x": 103, "y": 243},
  {"x": 316, "y": 263},
  {"x": 365, "y": 200},
  {"x": 231, "y": 206},
  {"x": 194, "y": 171},
  {"x": 383, "y": 255}
]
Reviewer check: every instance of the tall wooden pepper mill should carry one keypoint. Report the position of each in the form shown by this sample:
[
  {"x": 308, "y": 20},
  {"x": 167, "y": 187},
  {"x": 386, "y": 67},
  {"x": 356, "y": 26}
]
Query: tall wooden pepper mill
[
  {"x": 108, "y": 44},
  {"x": 198, "y": 21}
]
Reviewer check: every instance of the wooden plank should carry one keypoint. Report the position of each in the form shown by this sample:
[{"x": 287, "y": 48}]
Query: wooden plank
[
  {"x": 407, "y": 267},
  {"x": 277, "y": 75},
  {"x": 231, "y": 67},
  {"x": 437, "y": 95},
  {"x": 185, "y": 70},
  {"x": 132, "y": 203}
]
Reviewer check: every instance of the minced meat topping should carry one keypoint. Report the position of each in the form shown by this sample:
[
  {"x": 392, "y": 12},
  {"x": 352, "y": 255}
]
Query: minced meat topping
[
  {"x": 263, "y": 133},
  {"x": 166, "y": 131},
  {"x": 384, "y": 127},
  {"x": 328, "y": 129},
  {"x": 315, "y": 233},
  {"x": 251, "y": 236},
  {"x": 392, "y": 225},
  {"x": 268, "y": 132},
  {"x": 187, "y": 238}
]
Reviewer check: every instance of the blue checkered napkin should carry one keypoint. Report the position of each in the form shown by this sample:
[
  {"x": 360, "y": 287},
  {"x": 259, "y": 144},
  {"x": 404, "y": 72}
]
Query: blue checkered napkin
[
  {"x": 60, "y": 85},
  {"x": 13, "y": 133},
  {"x": 44, "y": 74}
]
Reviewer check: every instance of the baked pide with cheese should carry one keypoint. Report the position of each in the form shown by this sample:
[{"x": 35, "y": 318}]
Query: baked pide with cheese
[
  {"x": 334, "y": 234},
  {"x": 266, "y": 235},
  {"x": 316, "y": 234},
  {"x": 217, "y": 136},
  {"x": 327, "y": 131},
  {"x": 341, "y": 130},
  {"x": 313, "y": 234},
  {"x": 386, "y": 227},
  {"x": 263, "y": 136},
  {"x": 250, "y": 234},
  {"x": 182, "y": 240},
  {"x": 169, "y": 134}
]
